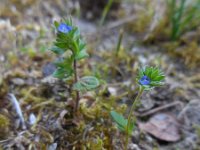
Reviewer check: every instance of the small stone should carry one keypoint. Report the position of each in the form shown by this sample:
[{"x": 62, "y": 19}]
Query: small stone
[
  {"x": 112, "y": 91},
  {"x": 2, "y": 58},
  {"x": 48, "y": 69},
  {"x": 133, "y": 147},
  {"x": 18, "y": 81},
  {"x": 190, "y": 113},
  {"x": 53, "y": 146},
  {"x": 32, "y": 119}
]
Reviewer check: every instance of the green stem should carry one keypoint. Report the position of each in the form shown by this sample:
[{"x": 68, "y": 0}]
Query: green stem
[
  {"x": 76, "y": 78},
  {"x": 130, "y": 113},
  {"x": 121, "y": 32},
  {"x": 77, "y": 93}
]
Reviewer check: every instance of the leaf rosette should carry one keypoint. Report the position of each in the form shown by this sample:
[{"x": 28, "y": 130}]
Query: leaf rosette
[{"x": 150, "y": 77}]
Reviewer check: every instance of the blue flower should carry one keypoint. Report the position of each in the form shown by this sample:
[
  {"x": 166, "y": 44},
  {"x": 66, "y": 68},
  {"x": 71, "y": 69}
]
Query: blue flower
[
  {"x": 144, "y": 80},
  {"x": 64, "y": 28},
  {"x": 150, "y": 77}
]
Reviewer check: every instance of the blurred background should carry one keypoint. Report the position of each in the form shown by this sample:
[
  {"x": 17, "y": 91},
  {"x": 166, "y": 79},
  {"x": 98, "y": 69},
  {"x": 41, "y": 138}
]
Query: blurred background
[{"x": 164, "y": 33}]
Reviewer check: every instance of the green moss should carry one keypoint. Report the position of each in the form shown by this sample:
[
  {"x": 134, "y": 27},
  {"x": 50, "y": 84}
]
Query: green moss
[
  {"x": 3, "y": 87},
  {"x": 4, "y": 125}
]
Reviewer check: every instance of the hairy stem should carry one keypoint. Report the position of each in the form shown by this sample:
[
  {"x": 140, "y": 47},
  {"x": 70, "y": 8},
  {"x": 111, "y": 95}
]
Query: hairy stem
[
  {"x": 77, "y": 92},
  {"x": 130, "y": 114}
]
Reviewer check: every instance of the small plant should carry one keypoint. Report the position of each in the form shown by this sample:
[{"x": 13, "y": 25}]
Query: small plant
[
  {"x": 70, "y": 48},
  {"x": 184, "y": 15},
  {"x": 147, "y": 79}
]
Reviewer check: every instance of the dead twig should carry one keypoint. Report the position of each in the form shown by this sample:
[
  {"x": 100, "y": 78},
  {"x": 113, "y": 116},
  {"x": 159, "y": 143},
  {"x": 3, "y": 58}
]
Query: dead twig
[{"x": 153, "y": 111}]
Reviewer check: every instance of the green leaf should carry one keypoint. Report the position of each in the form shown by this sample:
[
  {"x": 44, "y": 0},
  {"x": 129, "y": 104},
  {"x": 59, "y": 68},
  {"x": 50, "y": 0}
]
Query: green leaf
[
  {"x": 57, "y": 50},
  {"x": 56, "y": 24},
  {"x": 59, "y": 73},
  {"x": 156, "y": 83},
  {"x": 65, "y": 62},
  {"x": 86, "y": 83},
  {"x": 122, "y": 122},
  {"x": 148, "y": 71},
  {"x": 68, "y": 21},
  {"x": 147, "y": 87},
  {"x": 154, "y": 73},
  {"x": 81, "y": 44},
  {"x": 121, "y": 128},
  {"x": 119, "y": 119},
  {"x": 62, "y": 73},
  {"x": 82, "y": 54},
  {"x": 65, "y": 41},
  {"x": 159, "y": 78},
  {"x": 141, "y": 73},
  {"x": 64, "y": 68},
  {"x": 61, "y": 45}
]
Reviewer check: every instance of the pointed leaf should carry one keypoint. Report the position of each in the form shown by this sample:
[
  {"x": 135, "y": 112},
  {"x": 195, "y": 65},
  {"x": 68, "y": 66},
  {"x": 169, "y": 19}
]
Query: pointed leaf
[
  {"x": 62, "y": 73},
  {"x": 119, "y": 119},
  {"x": 82, "y": 54},
  {"x": 57, "y": 50}
]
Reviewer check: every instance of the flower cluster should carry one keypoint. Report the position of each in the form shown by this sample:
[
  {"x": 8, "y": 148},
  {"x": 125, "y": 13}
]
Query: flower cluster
[{"x": 150, "y": 77}]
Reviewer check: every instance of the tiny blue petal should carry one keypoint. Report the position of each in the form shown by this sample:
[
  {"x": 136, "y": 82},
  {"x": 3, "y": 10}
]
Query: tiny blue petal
[
  {"x": 64, "y": 28},
  {"x": 144, "y": 80}
]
